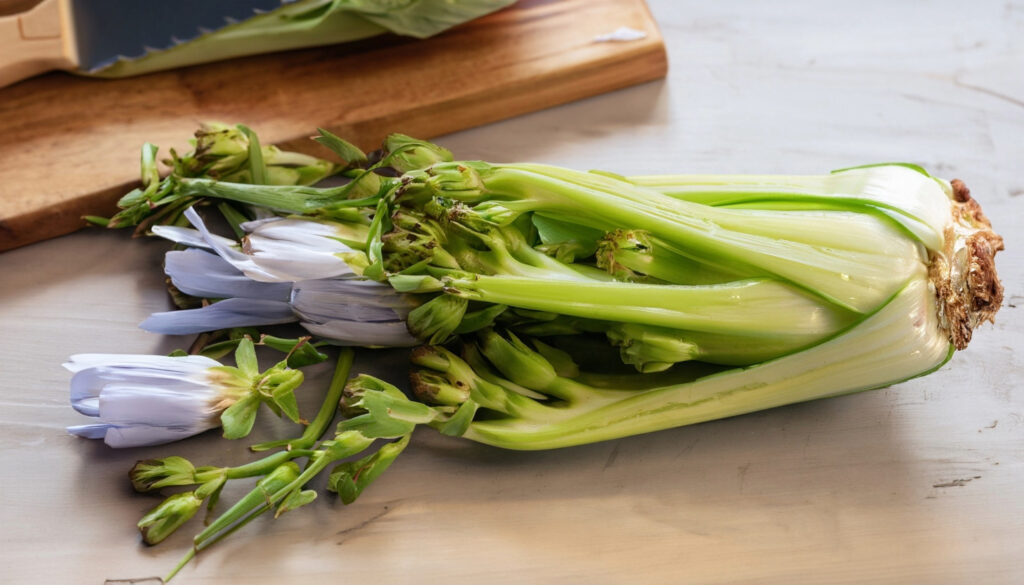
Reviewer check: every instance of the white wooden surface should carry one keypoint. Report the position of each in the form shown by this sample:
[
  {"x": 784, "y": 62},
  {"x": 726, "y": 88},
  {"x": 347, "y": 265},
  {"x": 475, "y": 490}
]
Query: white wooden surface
[{"x": 919, "y": 483}]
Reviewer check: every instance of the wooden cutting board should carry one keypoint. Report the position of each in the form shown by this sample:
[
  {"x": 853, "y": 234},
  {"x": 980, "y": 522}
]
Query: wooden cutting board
[{"x": 69, "y": 146}]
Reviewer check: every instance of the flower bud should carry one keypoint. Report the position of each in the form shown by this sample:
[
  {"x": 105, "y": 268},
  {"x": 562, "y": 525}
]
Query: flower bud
[
  {"x": 163, "y": 520},
  {"x": 153, "y": 474}
]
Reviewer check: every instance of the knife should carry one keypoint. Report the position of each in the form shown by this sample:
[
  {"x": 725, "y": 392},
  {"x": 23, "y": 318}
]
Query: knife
[{"x": 88, "y": 35}]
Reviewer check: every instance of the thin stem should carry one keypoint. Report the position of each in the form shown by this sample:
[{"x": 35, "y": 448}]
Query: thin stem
[
  {"x": 754, "y": 306},
  {"x": 328, "y": 408},
  {"x": 267, "y": 464}
]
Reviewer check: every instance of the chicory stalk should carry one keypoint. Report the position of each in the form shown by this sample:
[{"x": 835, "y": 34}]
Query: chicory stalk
[
  {"x": 871, "y": 354},
  {"x": 772, "y": 290},
  {"x": 757, "y": 242}
]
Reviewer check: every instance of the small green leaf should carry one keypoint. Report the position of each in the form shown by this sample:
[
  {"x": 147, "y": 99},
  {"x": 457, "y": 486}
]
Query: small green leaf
[
  {"x": 457, "y": 425},
  {"x": 300, "y": 351},
  {"x": 295, "y": 499},
  {"x": 478, "y": 320},
  {"x": 239, "y": 418},
  {"x": 415, "y": 283},
  {"x": 257, "y": 168},
  {"x": 386, "y": 415},
  {"x": 283, "y": 393},
  {"x": 211, "y": 487},
  {"x": 97, "y": 220},
  {"x": 245, "y": 358},
  {"x": 374, "y": 244},
  {"x": 345, "y": 150},
  {"x": 219, "y": 349},
  {"x": 150, "y": 172}
]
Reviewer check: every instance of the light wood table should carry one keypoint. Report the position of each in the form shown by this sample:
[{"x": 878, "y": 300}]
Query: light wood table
[{"x": 919, "y": 483}]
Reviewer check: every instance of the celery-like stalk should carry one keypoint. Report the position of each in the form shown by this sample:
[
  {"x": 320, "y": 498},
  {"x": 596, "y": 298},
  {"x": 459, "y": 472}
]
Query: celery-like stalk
[
  {"x": 874, "y": 353},
  {"x": 309, "y": 23}
]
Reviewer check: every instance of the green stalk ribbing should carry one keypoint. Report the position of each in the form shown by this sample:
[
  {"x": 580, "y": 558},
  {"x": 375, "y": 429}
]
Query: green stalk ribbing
[
  {"x": 752, "y": 306},
  {"x": 855, "y": 281},
  {"x": 885, "y": 190},
  {"x": 870, "y": 355}
]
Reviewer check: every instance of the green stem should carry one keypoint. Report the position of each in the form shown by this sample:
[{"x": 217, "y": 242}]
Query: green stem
[
  {"x": 754, "y": 306},
  {"x": 267, "y": 464},
  {"x": 287, "y": 198},
  {"x": 870, "y": 355},
  {"x": 328, "y": 408},
  {"x": 841, "y": 190},
  {"x": 720, "y": 237}
]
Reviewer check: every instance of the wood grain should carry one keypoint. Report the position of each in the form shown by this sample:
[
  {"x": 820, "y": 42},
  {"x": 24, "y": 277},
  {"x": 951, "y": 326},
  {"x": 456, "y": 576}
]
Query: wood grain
[{"x": 70, "y": 145}]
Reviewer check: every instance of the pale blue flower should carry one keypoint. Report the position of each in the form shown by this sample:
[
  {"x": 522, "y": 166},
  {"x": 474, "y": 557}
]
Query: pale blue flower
[
  {"x": 144, "y": 399},
  {"x": 276, "y": 249},
  {"x": 274, "y": 286}
]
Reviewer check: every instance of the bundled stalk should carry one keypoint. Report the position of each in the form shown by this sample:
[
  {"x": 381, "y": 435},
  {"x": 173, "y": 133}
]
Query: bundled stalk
[
  {"x": 805, "y": 286},
  {"x": 521, "y": 283}
]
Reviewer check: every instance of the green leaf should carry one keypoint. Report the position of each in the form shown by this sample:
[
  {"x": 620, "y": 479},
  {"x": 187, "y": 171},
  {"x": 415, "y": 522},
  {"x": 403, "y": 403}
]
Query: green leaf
[
  {"x": 566, "y": 242},
  {"x": 415, "y": 283},
  {"x": 97, "y": 220},
  {"x": 387, "y": 415},
  {"x": 283, "y": 394},
  {"x": 239, "y": 418},
  {"x": 257, "y": 168},
  {"x": 457, "y": 425},
  {"x": 295, "y": 499},
  {"x": 426, "y": 17},
  {"x": 345, "y": 150},
  {"x": 234, "y": 218},
  {"x": 478, "y": 320},
  {"x": 212, "y": 487},
  {"x": 245, "y": 358},
  {"x": 300, "y": 351},
  {"x": 374, "y": 244},
  {"x": 150, "y": 172}
]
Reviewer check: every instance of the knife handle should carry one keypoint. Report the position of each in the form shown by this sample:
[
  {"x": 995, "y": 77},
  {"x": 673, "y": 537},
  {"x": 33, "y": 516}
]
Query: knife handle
[{"x": 36, "y": 41}]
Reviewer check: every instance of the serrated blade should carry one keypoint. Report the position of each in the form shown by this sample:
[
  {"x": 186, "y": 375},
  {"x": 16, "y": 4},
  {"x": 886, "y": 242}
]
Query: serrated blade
[{"x": 108, "y": 30}]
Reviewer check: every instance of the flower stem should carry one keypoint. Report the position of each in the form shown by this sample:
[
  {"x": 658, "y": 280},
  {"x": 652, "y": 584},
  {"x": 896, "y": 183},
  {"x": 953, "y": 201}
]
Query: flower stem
[
  {"x": 267, "y": 464},
  {"x": 318, "y": 426}
]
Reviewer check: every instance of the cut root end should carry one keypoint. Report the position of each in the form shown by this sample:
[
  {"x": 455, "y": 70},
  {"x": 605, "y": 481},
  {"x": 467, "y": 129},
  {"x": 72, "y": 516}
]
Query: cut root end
[{"x": 964, "y": 274}]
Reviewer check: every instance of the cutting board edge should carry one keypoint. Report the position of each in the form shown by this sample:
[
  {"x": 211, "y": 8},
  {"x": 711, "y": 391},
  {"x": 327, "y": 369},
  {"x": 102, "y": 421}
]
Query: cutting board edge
[{"x": 638, "y": 62}]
